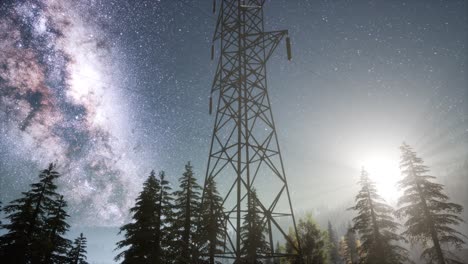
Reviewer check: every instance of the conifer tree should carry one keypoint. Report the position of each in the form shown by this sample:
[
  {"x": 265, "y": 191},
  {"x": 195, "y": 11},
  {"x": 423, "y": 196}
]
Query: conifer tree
[
  {"x": 165, "y": 217},
  {"x": 333, "y": 245},
  {"x": 25, "y": 240},
  {"x": 313, "y": 242},
  {"x": 343, "y": 250},
  {"x": 212, "y": 221},
  {"x": 430, "y": 217},
  {"x": 253, "y": 231},
  {"x": 349, "y": 247},
  {"x": 376, "y": 227},
  {"x": 140, "y": 235},
  {"x": 14, "y": 245},
  {"x": 55, "y": 228},
  {"x": 187, "y": 208},
  {"x": 77, "y": 254}
]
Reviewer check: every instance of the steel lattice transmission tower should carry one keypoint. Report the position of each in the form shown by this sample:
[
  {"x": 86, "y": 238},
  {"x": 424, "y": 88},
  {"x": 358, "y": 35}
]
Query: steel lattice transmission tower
[{"x": 244, "y": 153}]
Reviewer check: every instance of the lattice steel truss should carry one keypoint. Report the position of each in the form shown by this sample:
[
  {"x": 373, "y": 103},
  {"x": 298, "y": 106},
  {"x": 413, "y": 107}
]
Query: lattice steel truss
[{"x": 244, "y": 152}]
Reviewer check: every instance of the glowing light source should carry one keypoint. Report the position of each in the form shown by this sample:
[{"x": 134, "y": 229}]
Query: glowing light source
[{"x": 384, "y": 170}]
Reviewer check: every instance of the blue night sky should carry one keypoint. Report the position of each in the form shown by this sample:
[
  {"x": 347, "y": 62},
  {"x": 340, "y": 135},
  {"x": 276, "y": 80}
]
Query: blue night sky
[{"x": 111, "y": 89}]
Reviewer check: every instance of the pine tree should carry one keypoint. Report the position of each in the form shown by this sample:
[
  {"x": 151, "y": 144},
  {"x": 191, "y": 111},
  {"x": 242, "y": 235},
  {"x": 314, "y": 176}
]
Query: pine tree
[
  {"x": 253, "y": 231},
  {"x": 77, "y": 254},
  {"x": 333, "y": 245},
  {"x": 349, "y": 247},
  {"x": 212, "y": 221},
  {"x": 187, "y": 208},
  {"x": 55, "y": 227},
  {"x": 354, "y": 244},
  {"x": 376, "y": 227},
  {"x": 313, "y": 242},
  {"x": 165, "y": 217},
  {"x": 429, "y": 214},
  {"x": 140, "y": 235},
  {"x": 26, "y": 240},
  {"x": 343, "y": 250},
  {"x": 14, "y": 246}
]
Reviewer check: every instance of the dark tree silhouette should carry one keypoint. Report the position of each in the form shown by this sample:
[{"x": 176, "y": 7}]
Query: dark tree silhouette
[
  {"x": 14, "y": 245},
  {"x": 333, "y": 245},
  {"x": 313, "y": 242},
  {"x": 165, "y": 218},
  {"x": 55, "y": 228},
  {"x": 377, "y": 229},
  {"x": 211, "y": 224},
  {"x": 77, "y": 254},
  {"x": 429, "y": 214},
  {"x": 253, "y": 231},
  {"x": 26, "y": 240},
  {"x": 349, "y": 247},
  {"x": 140, "y": 235},
  {"x": 187, "y": 208}
]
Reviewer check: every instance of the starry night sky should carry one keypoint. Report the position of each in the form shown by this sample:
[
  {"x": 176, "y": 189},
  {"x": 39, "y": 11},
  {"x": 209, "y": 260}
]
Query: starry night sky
[{"x": 111, "y": 89}]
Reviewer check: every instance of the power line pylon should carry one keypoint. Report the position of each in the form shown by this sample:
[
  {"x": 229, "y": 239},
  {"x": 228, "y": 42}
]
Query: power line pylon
[{"x": 244, "y": 152}]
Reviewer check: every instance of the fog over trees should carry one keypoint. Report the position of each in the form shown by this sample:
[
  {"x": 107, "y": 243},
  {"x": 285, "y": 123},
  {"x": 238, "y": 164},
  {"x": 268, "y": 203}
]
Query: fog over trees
[{"x": 187, "y": 225}]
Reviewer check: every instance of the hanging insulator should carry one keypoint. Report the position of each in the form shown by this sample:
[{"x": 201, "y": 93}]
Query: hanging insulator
[
  {"x": 288, "y": 48},
  {"x": 214, "y": 6},
  {"x": 211, "y": 104},
  {"x": 212, "y": 51}
]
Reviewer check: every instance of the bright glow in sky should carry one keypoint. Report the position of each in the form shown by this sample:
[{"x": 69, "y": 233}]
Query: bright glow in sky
[
  {"x": 122, "y": 89},
  {"x": 383, "y": 168}
]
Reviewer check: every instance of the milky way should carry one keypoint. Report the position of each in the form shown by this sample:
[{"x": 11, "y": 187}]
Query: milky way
[
  {"x": 60, "y": 105},
  {"x": 110, "y": 89}
]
